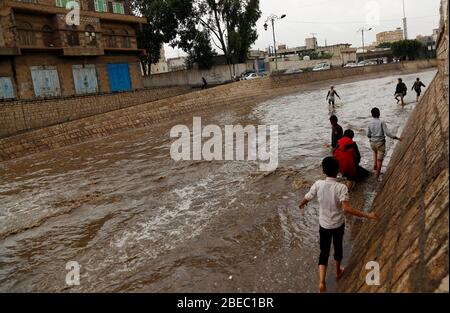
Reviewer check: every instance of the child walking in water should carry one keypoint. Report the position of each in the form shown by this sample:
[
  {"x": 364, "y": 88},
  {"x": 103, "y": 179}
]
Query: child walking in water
[
  {"x": 377, "y": 133},
  {"x": 331, "y": 97},
  {"x": 400, "y": 92},
  {"x": 334, "y": 202},
  {"x": 417, "y": 87}
]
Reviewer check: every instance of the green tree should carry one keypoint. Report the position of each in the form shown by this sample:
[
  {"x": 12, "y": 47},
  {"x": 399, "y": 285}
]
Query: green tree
[
  {"x": 407, "y": 49},
  {"x": 164, "y": 19},
  {"x": 385, "y": 45},
  {"x": 230, "y": 24},
  {"x": 201, "y": 52}
]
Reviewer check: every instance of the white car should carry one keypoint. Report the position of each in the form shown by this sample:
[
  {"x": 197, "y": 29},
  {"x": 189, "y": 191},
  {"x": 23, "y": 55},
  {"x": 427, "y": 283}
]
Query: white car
[
  {"x": 293, "y": 71},
  {"x": 251, "y": 76},
  {"x": 351, "y": 64},
  {"x": 322, "y": 67}
]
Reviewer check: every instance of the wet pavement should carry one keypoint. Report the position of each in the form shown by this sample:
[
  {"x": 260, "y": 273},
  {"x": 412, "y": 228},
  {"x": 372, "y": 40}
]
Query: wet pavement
[{"x": 135, "y": 220}]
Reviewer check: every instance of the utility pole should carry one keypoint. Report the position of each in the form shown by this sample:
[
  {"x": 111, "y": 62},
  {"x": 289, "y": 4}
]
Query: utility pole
[
  {"x": 405, "y": 22},
  {"x": 362, "y": 30},
  {"x": 272, "y": 18}
]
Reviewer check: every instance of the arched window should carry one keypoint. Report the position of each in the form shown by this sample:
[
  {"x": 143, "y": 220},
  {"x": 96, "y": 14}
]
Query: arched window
[
  {"x": 125, "y": 39},
  {"x": 48, "y": 36},
  {"x": 110, "y": 38},
  {"x": 72, "y": 36},
  {"x": 26, "y": 34},
  {"x": 91, "y": 39}
]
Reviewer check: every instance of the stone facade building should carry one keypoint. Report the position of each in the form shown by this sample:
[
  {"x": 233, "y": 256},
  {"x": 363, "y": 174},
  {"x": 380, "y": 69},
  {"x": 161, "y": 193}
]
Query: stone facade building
[
  {"x": 390, "y": 36},
  {"x": 48, "y": 50}
]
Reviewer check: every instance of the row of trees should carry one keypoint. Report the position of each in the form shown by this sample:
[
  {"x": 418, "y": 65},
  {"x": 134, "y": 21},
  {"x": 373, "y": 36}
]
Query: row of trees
[
  {"x": 198, "y": 27},
  {"x": 405, "y": 49}
]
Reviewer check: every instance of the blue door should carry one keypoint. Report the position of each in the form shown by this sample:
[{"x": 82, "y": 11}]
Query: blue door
[
  {"x": 119, "y": 77},
  {"x": 45, "y": 81},
  {"x": 261, "y": 66},
  {"x": 6, "y": 88},
  {"x": 85, "y": 79}
]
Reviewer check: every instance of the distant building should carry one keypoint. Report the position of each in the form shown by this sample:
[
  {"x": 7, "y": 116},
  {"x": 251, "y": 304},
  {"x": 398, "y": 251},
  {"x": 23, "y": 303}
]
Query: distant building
[
  {"x": 335, "y": 50},
  {"x": 161, "y": 66},
  {"x": 256, "y": 59},
  {"x": 390, "y": 36},
  {"x": 311, "y": 43},
  {"x": 177, "y": 64},
  {"x": 349, "y": 55},
  {"x": 430, "y": 43}
]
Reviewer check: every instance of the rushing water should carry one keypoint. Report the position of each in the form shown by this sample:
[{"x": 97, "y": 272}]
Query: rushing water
[{"x": 137, "y": 221}]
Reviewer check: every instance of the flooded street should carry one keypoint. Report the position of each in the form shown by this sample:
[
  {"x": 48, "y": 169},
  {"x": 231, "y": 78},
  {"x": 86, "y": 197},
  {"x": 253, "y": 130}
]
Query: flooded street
[{"x": 136, "y": 221}]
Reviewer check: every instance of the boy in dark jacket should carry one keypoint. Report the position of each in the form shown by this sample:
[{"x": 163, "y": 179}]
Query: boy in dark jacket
[
  {"x": 417, "y": 87},
  {"x": 337, "y": 132},
  {"x": 401, "y": 91}
]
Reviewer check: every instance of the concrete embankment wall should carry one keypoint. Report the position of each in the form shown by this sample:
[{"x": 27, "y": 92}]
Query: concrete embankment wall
[
  {"x": 410, "y": 243},
  {"x": 242, "y": 93},
  {"x": 216, "y": 75},
  {"x": 23, "y": 115}
]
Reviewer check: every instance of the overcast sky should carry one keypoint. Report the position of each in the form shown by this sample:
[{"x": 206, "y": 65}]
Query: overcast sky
[{"x": 337, "y": 21}]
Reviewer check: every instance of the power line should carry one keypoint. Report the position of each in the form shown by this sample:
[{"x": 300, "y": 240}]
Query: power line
[{"x": 357, "y": 22}]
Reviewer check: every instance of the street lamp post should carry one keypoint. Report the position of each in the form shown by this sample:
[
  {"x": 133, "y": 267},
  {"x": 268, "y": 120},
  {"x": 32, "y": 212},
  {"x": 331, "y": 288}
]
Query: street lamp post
[
  {"x": 272, "y": 18},
  {"x": 362, "y": 30}
]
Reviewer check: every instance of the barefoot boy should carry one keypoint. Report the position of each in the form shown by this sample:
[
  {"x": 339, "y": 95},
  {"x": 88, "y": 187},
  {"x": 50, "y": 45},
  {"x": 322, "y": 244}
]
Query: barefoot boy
[
  {"x": 400, "y": 92},
  {"x": 417, "y": 87},
  {"x": 334, "y": 203},
  {"x": 377, "y": 133},
  {"x": 331, "y": 96}
]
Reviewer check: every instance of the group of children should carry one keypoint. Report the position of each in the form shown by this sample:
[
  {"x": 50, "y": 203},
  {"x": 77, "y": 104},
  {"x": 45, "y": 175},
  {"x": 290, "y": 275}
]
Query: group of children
[{"x": 334, "y": 197}]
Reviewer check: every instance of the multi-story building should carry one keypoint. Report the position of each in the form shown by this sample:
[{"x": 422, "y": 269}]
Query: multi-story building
[
  {"x": 42, "y": 55},
  {"x": 311, "y": 43},
  {"x": 390, "y": 36}
]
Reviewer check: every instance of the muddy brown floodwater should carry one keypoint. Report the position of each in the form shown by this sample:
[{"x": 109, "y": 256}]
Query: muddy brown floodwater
[{"x": 137, "y": 221}]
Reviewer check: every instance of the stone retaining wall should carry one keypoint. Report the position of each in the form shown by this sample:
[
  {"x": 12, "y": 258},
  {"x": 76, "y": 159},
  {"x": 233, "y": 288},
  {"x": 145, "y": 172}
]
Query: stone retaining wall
[
  {"x": 19, "y": 116},
  {"x": 410, "y": 243}
]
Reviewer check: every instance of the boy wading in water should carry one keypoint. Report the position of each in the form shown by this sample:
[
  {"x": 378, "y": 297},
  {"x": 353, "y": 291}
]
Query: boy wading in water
[
  {"x": 400, "y": 92},
  {"x": 337, "y": 132},
  {"x": 334, "y": 202},
  {"x": 331, "y": 97},
  {"x": 417, "y": 87},
  {"x": 377, "y": 133}
]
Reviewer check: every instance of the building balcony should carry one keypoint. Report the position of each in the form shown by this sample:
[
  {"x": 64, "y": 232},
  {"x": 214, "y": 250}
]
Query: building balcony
[
  {"x": 9, "y": 51},
  {"x": 33, "y": 6},
  {"x": 82, "y": 51}
]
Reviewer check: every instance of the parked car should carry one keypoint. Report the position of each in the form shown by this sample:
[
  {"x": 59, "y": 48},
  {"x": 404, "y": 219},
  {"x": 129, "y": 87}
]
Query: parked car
[
  {"x": 246, "y": 73},
  {"x": 362, "y": 63},
  {"x": 322, "y": 67},
  {"x": 251, "y": 76},
  {"x": 351, "y": 64},
  {"x": 293, "y": 71}
]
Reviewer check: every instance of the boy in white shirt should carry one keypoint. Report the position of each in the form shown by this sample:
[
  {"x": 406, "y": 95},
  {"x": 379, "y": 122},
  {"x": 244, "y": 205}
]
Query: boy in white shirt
[{"x": 334, "y": 202}]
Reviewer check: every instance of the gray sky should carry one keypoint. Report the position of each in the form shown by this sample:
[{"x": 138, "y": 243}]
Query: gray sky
[{"x": 338, "y": 21}]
